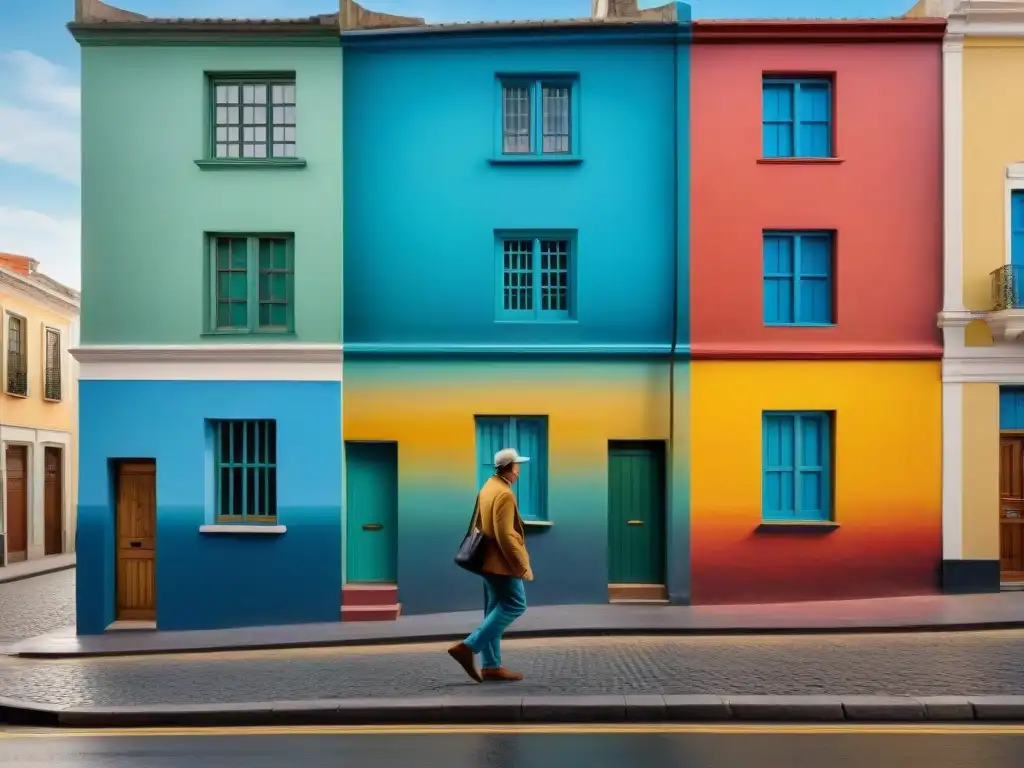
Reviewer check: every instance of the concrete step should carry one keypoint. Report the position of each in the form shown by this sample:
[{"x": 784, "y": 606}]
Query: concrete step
[
  {"x": 369, "y": 594},
  {"x": 371, "y": 612},
  {"x": 618, "y": 593}
]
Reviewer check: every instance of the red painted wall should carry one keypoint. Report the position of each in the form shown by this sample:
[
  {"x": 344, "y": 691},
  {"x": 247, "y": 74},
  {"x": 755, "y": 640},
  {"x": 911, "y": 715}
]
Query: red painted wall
[{"x": 884, "y": 199}]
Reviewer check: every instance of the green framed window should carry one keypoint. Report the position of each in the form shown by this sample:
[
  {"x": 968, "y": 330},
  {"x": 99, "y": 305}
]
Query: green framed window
[
  {"x": 52, "y": 385},
  {"x": 253, "y": 117},
  {"x": 245, "y": 471},
  {"x": 252, "y": 286}
]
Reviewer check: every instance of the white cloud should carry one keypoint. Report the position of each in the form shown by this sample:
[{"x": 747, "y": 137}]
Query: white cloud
[
  {"x": 54, "y": 242},
  {"x": 39, "y": 116}
]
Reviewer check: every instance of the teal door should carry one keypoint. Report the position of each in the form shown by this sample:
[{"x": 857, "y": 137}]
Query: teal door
[
  {"x": 371, "y": 506},
  {"x": 636, "y": 512}
]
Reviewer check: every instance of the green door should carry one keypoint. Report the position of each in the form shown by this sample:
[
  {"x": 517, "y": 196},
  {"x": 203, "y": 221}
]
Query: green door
[
  {"x": 636, "y": 512},
  {"x": 371, "y": 506}
]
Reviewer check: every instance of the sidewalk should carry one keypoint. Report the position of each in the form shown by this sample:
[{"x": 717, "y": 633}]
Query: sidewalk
[
  {"x": 928, "y": 613},
  {"x": 38, "y": 567},
  {"x": 965, "y": 676}
]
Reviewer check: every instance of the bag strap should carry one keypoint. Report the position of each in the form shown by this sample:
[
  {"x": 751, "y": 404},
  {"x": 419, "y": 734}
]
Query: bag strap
[{"x": 476, "y": 515}]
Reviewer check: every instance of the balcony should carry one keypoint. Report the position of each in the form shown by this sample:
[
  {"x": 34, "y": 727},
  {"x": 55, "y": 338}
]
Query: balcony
[{"x": 1006, "y": 318}]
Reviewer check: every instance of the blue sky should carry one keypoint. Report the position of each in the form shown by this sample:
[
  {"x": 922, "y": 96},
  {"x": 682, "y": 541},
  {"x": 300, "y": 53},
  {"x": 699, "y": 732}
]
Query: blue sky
[{"x": 39, "y": 96}]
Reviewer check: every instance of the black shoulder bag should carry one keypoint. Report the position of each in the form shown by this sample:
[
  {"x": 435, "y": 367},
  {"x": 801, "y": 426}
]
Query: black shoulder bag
[{"x": 471, "y": 552}]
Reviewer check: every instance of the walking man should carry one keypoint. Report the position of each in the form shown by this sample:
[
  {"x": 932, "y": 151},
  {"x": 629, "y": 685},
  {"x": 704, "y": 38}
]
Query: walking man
[{"x": 506, "y": 566}]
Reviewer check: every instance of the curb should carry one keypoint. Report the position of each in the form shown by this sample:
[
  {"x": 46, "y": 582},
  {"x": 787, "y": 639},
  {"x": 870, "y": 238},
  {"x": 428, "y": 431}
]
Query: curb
[
  {"x": 454, "y": 710},
  {"x": 15, "y": 649}
]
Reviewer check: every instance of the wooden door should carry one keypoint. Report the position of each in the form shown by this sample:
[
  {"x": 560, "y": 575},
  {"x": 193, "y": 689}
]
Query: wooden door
[
  {"x": 53, "y": 500},
  {"x": 1011, "y": 507},
  {"x": 636, "y": 512},
  {"x": 371, "y": 504},
  {"x": 136, "y": 541},
  {"x": 17, "y": 503}
]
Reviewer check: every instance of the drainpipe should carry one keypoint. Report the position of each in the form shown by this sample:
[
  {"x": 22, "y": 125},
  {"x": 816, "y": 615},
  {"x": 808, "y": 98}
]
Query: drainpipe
[{"x": 670, "y": 529}]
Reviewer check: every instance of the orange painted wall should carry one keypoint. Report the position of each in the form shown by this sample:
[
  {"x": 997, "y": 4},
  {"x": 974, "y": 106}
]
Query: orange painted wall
[{"x": 884, "y": 199}]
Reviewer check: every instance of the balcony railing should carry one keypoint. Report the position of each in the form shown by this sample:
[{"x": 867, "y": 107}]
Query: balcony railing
[{"x": 1008, "y": 288}]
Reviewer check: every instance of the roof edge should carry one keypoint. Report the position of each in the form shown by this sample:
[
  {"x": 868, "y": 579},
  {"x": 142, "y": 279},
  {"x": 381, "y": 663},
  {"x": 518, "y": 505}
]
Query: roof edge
[{"x": 900, "y": 29}]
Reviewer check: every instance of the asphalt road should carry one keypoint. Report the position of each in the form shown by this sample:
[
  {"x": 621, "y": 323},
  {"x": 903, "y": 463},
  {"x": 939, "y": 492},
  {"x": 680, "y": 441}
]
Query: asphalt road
[{"x": 693, "y": 748}]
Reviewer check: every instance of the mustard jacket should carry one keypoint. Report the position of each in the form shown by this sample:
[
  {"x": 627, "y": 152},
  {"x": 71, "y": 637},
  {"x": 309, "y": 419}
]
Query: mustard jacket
[{"x": 505, "y": 543}]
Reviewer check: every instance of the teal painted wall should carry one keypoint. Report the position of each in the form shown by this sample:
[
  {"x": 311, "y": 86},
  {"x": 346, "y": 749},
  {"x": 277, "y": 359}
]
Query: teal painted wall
[{"x": 146, "y": 205}]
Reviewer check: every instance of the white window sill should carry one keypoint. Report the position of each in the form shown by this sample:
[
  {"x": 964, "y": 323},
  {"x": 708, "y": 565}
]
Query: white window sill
[
  {"x": 537, "y": 523},
  {"x": 245, "y": 530}
]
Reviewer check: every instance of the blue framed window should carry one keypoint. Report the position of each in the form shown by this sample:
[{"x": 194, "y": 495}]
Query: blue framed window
[
  {"x": 245, "y": 471},
  {"x": 535, "y": 276},
  {"x": 797, "y": 466},
  {"x": 797, "y": 117},
  {"x": 529, "y": 436},
  {"x": 538, "y": 116},
  {"x": 798, "y": 270}
]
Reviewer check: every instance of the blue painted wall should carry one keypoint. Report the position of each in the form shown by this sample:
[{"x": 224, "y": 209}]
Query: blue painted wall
[
  {"x": 423, "y": 199},
  {"x": 207, "y": 581}
]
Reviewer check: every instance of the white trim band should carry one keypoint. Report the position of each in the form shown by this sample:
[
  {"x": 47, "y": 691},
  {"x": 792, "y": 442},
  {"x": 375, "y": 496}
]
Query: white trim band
[
  {"x": 210, "y": 362},
  {"x": 952, "y": 471}
]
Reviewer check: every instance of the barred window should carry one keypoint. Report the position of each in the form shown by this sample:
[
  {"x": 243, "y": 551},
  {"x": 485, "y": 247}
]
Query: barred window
[{"x": 52, "y": 386}]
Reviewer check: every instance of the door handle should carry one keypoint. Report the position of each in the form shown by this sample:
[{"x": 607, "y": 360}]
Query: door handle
[
  {"x": 634, "y": 522},
  {"x": 372, "y": 526},
  {"x": 134, "y": 544}
]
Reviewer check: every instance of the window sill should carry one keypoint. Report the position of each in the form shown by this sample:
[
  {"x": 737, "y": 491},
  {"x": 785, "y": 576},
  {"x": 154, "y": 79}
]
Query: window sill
[
  {"x": 799, "y": 325},
  {"x": 808, "y": 526},
  {"x": 245, "y": 530},
  {"x": 53, "y": 399},
  {"x": 537, "y": 523},
  {"x": 17, "y": 394},
  {"x": 536, "y": 160},
  {"x": 211, "y": 164},
  {"x": 537, "y": 321},
  {"x": 256, "y": 334},
  {"x": 800, "y": 160}
]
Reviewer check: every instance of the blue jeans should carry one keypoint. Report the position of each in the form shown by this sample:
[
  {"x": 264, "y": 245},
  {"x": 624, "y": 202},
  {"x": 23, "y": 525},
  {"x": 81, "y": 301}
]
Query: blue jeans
[{"x": 504, "y": 602}]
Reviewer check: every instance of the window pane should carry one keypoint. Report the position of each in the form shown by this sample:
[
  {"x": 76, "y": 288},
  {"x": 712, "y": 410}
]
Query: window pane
[
  {"x": 554, "y": 276},
  {"x": 556, "y": 119},
  {"x": 516, "y": 117},
  {"x": 518, "y": 275}
]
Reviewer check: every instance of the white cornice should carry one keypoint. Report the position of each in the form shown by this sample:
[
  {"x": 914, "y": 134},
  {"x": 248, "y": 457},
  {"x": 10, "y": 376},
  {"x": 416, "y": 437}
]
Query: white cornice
[
  {"x": 34, "y": 292},
  {"x": 979, "y": 369},
  {"x": 987, "y": 18},
  {"x": 958, "y": 318},
  {"x": 208, "y": 353}
]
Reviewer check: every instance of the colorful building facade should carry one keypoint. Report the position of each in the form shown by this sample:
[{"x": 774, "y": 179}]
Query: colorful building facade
[
  {"x": 983, "y": 309},
  {"x": 210, "y": 469},
  {"x": 493, "y": 299},
  {"x": 38, "y": 413},
  {"x": 673, "y": 262},
  {"x": 814, "y": 282}
]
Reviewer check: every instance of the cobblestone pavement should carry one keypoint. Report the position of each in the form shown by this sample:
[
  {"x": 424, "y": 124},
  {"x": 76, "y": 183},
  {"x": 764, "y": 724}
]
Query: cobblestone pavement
[
  {"x": 36, "y": 606},
  {"x": 924, "y": 664}
]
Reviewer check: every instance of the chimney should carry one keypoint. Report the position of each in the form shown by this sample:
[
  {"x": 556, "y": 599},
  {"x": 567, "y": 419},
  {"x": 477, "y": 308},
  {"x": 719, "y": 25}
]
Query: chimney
[
  {"x": 614, "y": 9},
  {"x": 21, "y": 265}
]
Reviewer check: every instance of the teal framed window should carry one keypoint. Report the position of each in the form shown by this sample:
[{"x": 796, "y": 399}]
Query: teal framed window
[
  {"x": 797, "y": 117},
  {"x": 797, "y": 460},
  {"x": 535, "y": 276},
  {"x": 252, "y": 283},
  {"x": 245, "y": 471},
  {"x": 529, "y": 436},
  {"x": 798, "y": 282},
  {"x": 538, "y": 116},
  {"x": 253, "y": 117}
]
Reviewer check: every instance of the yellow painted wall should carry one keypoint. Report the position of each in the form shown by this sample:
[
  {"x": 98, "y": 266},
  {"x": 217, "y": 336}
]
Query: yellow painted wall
[
  {"x": 993, "y": 139},
  {"x": 887, "y": 479},
  {"x": 33, "y": 411},
  {"x": 981, "y": 472}
]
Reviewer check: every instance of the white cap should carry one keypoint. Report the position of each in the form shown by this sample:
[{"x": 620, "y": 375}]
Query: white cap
[{"x": 507, "y": 456}]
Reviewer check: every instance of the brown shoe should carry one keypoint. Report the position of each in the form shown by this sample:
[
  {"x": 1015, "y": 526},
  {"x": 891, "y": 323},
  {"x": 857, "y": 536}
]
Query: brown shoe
[
  {"x": 463, "y": 654},
  {"x": 502, "y": 675}
]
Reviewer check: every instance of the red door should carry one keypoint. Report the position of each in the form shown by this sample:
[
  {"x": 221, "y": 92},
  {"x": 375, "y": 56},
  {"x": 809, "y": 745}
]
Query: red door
[{"x": 17, "y": 503}]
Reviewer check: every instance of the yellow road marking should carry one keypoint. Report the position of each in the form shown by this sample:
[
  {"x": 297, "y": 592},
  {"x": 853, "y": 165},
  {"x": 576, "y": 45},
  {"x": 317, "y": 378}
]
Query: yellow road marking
[{"x": 965, "y": 729}]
